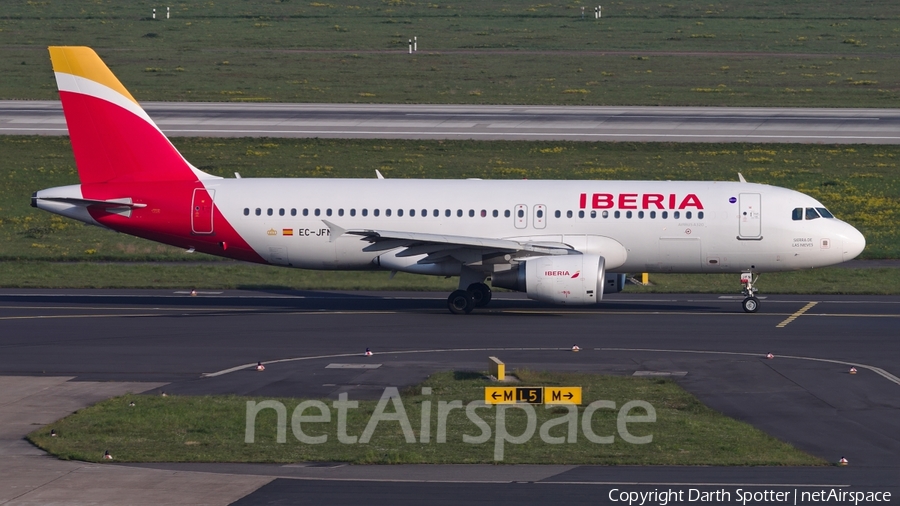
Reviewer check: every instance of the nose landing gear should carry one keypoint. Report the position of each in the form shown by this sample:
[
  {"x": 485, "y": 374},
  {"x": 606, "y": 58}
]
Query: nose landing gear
[{"x": 750, "y": 303}]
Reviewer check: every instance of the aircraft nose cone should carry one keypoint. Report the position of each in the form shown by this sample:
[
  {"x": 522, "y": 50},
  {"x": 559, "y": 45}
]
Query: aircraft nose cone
[{"x": 854, "y": 243}]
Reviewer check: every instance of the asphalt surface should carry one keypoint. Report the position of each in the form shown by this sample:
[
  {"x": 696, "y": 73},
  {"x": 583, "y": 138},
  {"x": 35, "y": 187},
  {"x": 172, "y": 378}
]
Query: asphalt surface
[
  {"x": 413, "y": 121},
  {"x": 209, "y": 343}
]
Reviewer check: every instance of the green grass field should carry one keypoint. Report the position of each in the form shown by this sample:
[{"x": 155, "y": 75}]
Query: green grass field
[
  {"x": 837, "y": 53},
  {"x": 213, "y": 429}
]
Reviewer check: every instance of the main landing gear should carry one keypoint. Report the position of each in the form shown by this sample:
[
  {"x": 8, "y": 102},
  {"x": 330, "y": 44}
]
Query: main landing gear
[
  {"x": 464, "y": 301},
  {"x": 750, "y": 303}
]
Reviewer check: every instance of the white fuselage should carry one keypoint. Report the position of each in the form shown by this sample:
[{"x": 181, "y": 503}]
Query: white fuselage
[{"x": 727, "y": 227}]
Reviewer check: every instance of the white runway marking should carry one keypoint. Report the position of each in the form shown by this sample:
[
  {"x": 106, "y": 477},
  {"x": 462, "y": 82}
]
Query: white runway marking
[{"x": 877, "y": 370}]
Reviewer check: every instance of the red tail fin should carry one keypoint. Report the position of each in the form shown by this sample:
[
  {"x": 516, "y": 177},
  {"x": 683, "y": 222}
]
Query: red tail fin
[{"x": 112, "y": 137}]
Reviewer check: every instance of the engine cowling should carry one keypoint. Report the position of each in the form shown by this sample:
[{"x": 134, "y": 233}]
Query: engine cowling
[{"x": 570, "y": 279}]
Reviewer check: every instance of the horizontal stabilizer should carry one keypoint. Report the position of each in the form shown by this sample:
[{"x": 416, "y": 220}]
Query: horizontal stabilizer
[{"x": 126, "y": 202}]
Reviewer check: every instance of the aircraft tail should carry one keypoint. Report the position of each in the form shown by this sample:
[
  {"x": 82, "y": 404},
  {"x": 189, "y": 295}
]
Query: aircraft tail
[{"x": 112, "y": 137}]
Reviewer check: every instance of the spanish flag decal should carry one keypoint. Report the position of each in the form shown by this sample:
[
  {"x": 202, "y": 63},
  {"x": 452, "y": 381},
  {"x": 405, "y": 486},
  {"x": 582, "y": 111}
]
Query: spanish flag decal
[{"x": 287, "y": 231}]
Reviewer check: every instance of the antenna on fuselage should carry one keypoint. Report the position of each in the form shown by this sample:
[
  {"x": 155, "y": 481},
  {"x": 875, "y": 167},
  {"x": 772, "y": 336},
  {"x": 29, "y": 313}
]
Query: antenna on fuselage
[
  {"x": 741, "y": 178},
  {"x": 378, "y": 173}
]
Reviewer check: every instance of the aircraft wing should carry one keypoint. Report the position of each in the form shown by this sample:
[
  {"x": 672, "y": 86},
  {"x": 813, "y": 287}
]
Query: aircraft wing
[{"x": 439, "y": 247}]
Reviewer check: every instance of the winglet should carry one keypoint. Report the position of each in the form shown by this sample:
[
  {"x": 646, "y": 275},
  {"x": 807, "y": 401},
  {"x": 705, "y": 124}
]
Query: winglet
[
  {"x": 741, "y": 178},
  {"x": 336, "y": 231}
]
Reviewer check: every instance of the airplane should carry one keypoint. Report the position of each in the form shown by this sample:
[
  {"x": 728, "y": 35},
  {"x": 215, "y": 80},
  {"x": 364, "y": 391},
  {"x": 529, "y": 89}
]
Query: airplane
[{"x": 564, "y": 242}]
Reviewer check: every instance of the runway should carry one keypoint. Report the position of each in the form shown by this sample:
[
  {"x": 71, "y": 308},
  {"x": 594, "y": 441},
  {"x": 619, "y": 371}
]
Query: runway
[
  {"x": 207, "y": 343},
  {"x": 490, "y": 122}
]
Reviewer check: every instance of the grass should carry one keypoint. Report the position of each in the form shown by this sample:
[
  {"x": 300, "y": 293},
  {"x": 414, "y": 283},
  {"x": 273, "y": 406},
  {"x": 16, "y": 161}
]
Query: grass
[
  {"x": 859, "y": 183},
  {"x": 212, "y": 429},
  {"x": 837, "y": 53}
]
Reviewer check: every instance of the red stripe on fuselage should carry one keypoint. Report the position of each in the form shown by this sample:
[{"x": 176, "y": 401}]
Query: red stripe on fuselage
[
  {"x": 167, "y": 218},
  {"x": 113, "y": 144}
]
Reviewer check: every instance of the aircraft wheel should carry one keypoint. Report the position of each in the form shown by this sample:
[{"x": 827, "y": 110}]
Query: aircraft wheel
[
  {"x": 750, "y": 305},
  {"x": 460, "y": 302},
  {"x": 481, "y": 294}
]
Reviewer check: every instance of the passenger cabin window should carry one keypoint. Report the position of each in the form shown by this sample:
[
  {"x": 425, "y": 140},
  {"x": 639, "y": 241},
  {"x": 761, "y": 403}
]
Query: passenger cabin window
[
  {"x": 281, "y": 212},
  {"x": 375, "y": 212},
  {"x": 557, "y": 214},
  {"x": 496, "y": 213},
  {"x": 484, "y": 213},
  {"x": 699, "y": 215},
  {"x": 258, "y": 211},
  {"x": 811, "y": 213},
  {"x": 317, "y": 212},
  {"x": 246, "y": 211},
  {"x": 521, "y": 213},
  {"x": 568, "y": 214},
  {"x": 353, "y": 212},
  {"x": 581, "y": 214},
  {"x": 305, "y": 212},
  {"x": 387, "y": 212},
  {"x": 293, "y": 212},
  {"x": 676, "y": 214},
  {"x": 605, "y": 214},
  {"x": 471, "y": 213},
  {"x": 399, "y": 212},
  {"x": 365, "y": 212},
  {"x": 340, "y": 212},
  {"x": 687, "y": 214},
  {"x": 593, "y": 214},
  {"x": 628, "y": 214},
  {"x": 506, "y": 213},
  {"x": 269, "y": 211}
]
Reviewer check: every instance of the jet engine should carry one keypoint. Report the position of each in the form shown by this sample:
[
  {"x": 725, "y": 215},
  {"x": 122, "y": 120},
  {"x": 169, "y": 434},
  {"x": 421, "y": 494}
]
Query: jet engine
[{"x": 570, "y": 279}]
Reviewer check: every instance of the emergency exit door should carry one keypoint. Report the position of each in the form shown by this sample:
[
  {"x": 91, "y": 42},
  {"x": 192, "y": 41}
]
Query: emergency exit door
[
  {"x": 202, "y": 211},
  {"x": 540, "y": 216},
  {"x": 750, "y": 206},
  {"x": 521, "y": 216}
]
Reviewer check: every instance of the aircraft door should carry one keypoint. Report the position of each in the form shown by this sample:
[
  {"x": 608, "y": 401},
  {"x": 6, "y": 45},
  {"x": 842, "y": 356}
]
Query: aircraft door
[
  {"x": 520, "y": 214},
  {"x": 750, "y": 205},
  {"x": 202, "y": 211},
  {"x": 540, "y": 216}
]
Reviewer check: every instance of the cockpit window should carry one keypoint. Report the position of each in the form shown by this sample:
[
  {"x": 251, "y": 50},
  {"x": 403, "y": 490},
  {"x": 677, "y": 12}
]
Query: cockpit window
[
  {"x": 825, "y": 212},
  {"x": 797, "y": 214},
  {"x": 811, "y": 213}
]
